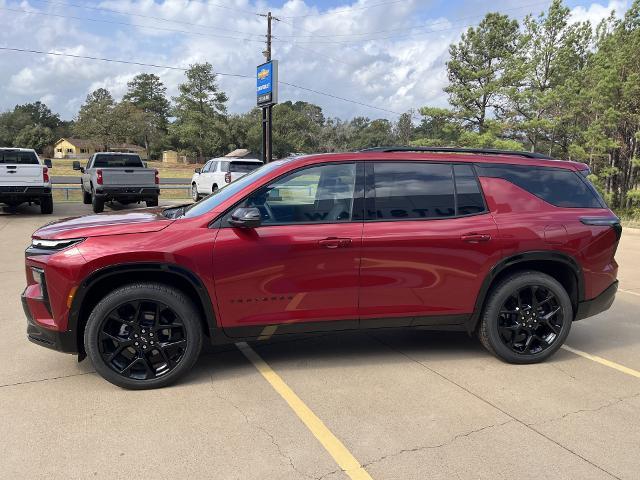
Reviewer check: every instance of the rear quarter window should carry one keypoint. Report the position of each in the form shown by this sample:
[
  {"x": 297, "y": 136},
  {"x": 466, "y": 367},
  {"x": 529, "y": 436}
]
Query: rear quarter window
[{"x": 557, "y": 186}]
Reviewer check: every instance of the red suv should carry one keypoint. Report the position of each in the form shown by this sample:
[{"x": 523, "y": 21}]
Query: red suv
[{"x": 511, "y": 246}]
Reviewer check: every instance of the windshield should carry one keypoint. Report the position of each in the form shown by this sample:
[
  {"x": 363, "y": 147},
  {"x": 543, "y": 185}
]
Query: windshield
[
  {"x": 19, "y": 158},
  {"x": 243, "y": 167},
  {"x": 226, "y": 192},
  {"x": 117, "y": 161}
]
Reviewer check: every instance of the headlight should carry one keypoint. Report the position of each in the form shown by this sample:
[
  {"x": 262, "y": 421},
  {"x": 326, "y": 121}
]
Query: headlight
[
  {"x": 38, "y": 275},
  {"x": 54, "y": 244}
]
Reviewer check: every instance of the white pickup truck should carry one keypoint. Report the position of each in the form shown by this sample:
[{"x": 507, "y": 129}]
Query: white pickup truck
[
  {"x": 25, "y": 178},
  {"x": 218, "y": 172},
  {"x": 118, "y": 176}
]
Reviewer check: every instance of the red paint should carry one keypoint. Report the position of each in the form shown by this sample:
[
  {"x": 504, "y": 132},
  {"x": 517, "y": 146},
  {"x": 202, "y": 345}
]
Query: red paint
[{"x": 342, "y": 271}]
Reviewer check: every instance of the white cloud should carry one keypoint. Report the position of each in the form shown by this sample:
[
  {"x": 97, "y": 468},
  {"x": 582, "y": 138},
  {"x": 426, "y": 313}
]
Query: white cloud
[{"x": 403, "y": 69}]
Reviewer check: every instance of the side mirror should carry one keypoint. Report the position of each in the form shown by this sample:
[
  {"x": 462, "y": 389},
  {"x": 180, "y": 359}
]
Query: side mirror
[
  {"x": 198, "y": 170},
  {"x": 246, "y": 218},
  {"x": 47, "y": 163},
  {"x": 76, "y": 165}
]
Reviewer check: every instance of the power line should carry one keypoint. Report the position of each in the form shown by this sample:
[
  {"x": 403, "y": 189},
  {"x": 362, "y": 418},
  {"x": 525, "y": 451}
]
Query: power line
[
  {"x": 139, "y": 15},
  {"x": 222, "y": 74},
  {"x": 411, "y": 27},
  {"x": 345, "y": 10},
  {"x": 126, "y": 24}
]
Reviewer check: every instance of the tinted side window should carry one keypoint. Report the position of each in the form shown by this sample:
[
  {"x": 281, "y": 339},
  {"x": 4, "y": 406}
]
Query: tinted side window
[
  {"x": 559, "y": 187},
  {"x": 468, "y": 196},
  {"x": 412, "y": 190},
  {"x": 322, "y": 194}
]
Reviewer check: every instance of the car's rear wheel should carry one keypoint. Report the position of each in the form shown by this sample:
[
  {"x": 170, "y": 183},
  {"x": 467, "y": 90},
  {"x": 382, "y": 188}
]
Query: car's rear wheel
[
  {"x": 144, "y": 335},
  {"x": 46, "y": 205},
  {"x": 97, "y": 203},
  {"x": 194, "y": 192},
  {"x": 86, "y": 197},
  {"x": 214, "y": 188},
  {"x": 527, "y": 318},
  {"x": 152, "y": 202}
]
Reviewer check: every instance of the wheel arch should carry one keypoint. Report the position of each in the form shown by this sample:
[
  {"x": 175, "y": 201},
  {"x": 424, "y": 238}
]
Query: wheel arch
[
  {"x": 101, "y": 282},
  {"x": 560, "y": 266}
]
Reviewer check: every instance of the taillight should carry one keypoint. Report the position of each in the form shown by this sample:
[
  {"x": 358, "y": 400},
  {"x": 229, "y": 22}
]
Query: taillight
[
  {"x": 45, "y": 175},
  {"x": 157, "y": 177},
  {"x": 227, "y": 177},
  {"x": 99, "y": 178},
  {"x": 613, "y": 222}
]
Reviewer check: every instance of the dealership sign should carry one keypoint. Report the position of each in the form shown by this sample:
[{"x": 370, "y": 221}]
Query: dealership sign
[{"x": 267, "y": 83}]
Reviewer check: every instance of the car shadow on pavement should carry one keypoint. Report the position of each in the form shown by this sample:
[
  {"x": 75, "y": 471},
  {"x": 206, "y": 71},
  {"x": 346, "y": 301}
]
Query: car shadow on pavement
[{"x": 335, "y": 350}]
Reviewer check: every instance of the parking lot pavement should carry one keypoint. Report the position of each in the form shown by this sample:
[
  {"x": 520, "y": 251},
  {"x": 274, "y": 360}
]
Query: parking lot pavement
[{"x": 403, "y": 404}]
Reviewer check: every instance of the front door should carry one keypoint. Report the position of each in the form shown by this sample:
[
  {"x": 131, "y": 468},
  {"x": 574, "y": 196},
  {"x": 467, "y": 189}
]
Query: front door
[
  {"x": 428, "y": 243},
  {"x": 299, "y": 270}
]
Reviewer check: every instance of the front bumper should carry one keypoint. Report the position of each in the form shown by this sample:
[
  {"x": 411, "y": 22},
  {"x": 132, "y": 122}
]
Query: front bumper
[
  {"x": 597, "y": 305},
  {"x": 62, "y": 341}
]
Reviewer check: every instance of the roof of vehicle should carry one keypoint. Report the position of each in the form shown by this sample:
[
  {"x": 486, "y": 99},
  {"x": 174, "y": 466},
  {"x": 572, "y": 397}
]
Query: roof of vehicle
[
  {"x": 11, "y": 149},
  {"x": 234, "y": 159},
  {"x": 116, "y": 153},
  {"x": 444, "y": 155}
]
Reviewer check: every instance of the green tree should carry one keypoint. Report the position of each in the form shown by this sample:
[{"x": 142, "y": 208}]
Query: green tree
[
  {"x": 147, "y": 92},
  {"x": 35, "y": 136},
  {"x": 200, "y": 112},
  {"x": 478, "y": 68},
  {"x": 95, "y": 120},
  {"x": 552, "y": 50},
  {"x": 403, "y": 129}
]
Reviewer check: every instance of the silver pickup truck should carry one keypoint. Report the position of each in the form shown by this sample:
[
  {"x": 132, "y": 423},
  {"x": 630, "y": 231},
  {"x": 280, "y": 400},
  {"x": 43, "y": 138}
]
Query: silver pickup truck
[{"x": 122, "y": 177}]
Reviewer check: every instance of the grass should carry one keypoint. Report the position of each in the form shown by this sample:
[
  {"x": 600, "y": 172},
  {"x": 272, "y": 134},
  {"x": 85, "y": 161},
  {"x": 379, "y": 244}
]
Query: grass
[
  {"x": 60, "y": 195},
  {"x": 64, "y": 166}
]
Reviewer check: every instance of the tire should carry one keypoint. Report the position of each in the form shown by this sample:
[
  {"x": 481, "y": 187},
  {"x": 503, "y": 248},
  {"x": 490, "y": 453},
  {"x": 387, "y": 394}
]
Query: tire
[
  {"x": 46, "y": 205},
  {"x": 214, "y": 188},
  {"x": 194, "y": 193},
  {"x": 86, "y": 197},
  {"x": 152, "y": 203},
  {"x": 96, "y": 202},
  {"x": 132, "y": 298},
  {"x": 505, "y": 327}
]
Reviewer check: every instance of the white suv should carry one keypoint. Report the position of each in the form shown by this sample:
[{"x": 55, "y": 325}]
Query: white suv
[
  {"x": 25, "y": 178},
  {"x": 218, "y": 172}
]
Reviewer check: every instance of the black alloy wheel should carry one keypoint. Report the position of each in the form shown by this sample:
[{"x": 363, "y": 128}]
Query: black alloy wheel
[
  {"x": 143, "y": 335},
  {"x": 530, "y": 320},
  {"x": 142, "y": 339},
  {"x": 526, "y": 318}
]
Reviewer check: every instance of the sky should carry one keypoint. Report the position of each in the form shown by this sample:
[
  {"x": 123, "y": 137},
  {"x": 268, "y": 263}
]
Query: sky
[{"x": 382, "y": 53}]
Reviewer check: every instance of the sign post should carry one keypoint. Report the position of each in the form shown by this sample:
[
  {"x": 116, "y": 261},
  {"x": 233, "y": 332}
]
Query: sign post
[{"x": 267, "y": 96}]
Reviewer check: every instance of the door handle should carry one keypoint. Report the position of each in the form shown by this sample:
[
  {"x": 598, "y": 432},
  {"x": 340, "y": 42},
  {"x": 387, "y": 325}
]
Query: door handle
[
  {"x": 334, "y": 242},
  {"x": 475, "y": 237}
]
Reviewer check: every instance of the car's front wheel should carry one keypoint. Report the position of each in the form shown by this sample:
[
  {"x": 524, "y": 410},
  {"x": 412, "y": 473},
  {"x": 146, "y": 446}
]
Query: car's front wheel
[
  {"x": 143, "y": 335},
  {"x": 194, "y": 192},
  {"x": 527, "y": 318}
]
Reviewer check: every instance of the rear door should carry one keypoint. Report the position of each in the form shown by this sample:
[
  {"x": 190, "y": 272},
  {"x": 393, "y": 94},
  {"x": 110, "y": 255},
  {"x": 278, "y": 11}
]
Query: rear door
[
  {"x": 20, "y": 169},
  {"x": 428, "y": 242},
  {"x": 299, "y": 270}
]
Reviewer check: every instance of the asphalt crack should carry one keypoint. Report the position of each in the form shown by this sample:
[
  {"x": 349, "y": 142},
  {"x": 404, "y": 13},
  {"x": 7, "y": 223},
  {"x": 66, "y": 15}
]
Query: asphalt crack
[
  {"x": 271, "y": 437},
  {"x": 436, "y": 446},
  {"x": 612, "y": 403},
  {"x": 484, "y": 400}
]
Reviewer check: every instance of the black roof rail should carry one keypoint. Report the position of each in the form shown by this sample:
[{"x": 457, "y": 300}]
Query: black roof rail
[{"x": 477, "y": 151}]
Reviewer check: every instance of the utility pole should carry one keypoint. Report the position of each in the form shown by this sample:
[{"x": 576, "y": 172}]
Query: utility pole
[{"x": 267, "y": 116}]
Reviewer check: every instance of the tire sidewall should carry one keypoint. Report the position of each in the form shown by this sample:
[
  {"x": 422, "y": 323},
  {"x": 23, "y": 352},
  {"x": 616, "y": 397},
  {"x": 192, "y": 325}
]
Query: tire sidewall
[
  {"x": 500, "y": 295},
  {"x": 181, "y": 305}
]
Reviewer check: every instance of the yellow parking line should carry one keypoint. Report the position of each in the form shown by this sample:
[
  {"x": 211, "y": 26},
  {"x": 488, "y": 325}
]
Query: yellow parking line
[
  {"x": 343, "y": 457},
  {"x": 604, "y": 361},
  {"x": 629, "y": 292}
]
